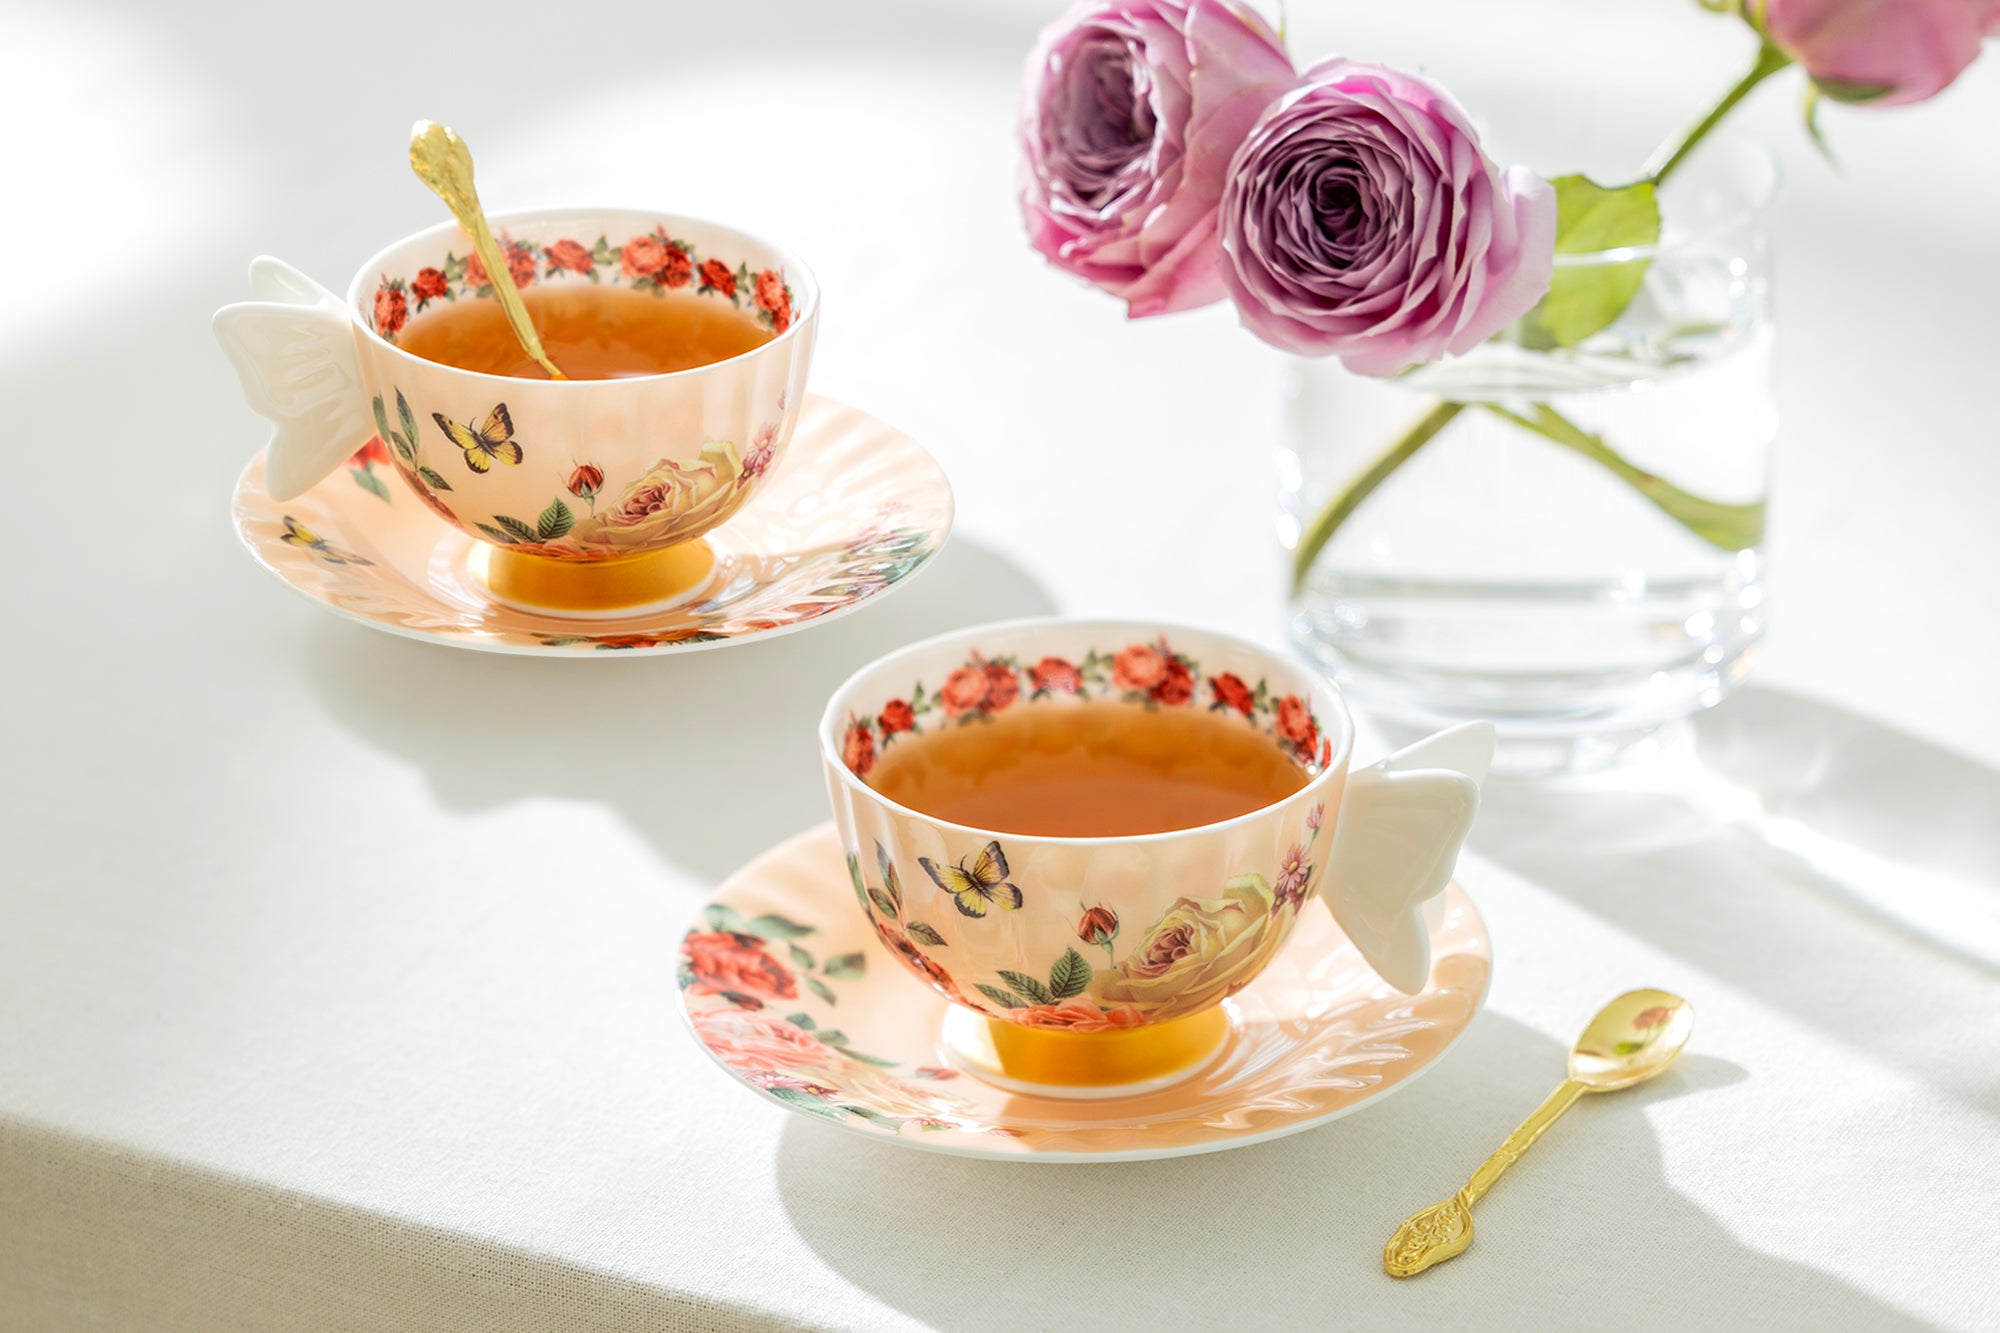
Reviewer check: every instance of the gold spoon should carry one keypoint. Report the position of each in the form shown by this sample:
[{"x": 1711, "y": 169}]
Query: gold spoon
[
  {"x": 1633, "y": 1038},
  {"x": 443, "y": 162}
]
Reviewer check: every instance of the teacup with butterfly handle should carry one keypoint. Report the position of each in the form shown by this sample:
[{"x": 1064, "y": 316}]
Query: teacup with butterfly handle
[
  {"x": 592, "y": 497},
  {"x": 1008, "y": 926}
]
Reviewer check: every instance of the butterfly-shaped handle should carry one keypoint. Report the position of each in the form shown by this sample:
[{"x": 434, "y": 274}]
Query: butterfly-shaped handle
[
  {"x": 1396, "y": 843},
  {"x": 293, "y": 348}
]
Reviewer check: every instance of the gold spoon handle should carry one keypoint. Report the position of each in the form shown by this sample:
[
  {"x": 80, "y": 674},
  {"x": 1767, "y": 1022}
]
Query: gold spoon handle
[
  {"x": 443, "y": 162},
  {"x": 1522, "y": 1139},
  {"x": 1444, "y": 1230}
]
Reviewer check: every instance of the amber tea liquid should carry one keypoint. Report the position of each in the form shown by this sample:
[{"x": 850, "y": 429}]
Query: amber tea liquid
[
  {"x": 592, "y": 332},
  {"x": 1098, "y": 769}
]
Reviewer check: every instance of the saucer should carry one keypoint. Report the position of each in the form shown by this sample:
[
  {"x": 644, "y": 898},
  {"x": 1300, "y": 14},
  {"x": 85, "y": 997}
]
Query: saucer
[
  {"x": 784, "y": 984},
  {"x": 855, "y": 508}
]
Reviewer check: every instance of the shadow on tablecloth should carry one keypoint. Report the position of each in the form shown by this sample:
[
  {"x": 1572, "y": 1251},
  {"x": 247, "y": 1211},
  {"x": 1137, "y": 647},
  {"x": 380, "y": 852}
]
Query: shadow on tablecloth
[
  {"x": 711, "y": 757},
  {"x": 1289, "y": 1234},
  {"x": 1836, "y": 869}
]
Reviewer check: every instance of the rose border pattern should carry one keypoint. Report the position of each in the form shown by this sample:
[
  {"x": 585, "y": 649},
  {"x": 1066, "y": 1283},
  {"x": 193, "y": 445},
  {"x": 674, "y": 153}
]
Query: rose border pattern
[{"x": 652, "y": 262}]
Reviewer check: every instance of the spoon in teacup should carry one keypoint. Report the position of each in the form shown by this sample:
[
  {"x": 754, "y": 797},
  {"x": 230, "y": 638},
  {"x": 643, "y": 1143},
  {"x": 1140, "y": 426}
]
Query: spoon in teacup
[
  {"x": 1632, "y": 1039},
  {"x": 443, "y": 162}
]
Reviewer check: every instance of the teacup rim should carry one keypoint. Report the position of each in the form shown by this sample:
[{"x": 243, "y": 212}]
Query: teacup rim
[
  {"x": 831, "y": 722},
  {"x": 808, "y": 309}
]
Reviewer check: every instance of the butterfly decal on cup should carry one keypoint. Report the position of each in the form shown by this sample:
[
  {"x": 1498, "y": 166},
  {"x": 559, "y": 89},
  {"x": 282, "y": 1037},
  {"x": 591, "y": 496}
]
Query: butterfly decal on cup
[
  {"x": 299, "y": 535},
  {"x": 976, "y": 883},
  {"x": 490, "y": 443}
]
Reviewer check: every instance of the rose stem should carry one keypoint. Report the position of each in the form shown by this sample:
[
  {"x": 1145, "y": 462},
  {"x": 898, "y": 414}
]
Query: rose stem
[
  {"x": 1675, "y": 151},
  {"x": 1350, "y": 496},
  {"x": 1731, "y": 527}
]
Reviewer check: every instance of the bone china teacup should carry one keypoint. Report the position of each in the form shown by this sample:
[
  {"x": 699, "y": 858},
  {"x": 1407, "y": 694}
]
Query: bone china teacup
[
  {"x": 591, "y": 494},
  {"x": 1108, "y": 978}
]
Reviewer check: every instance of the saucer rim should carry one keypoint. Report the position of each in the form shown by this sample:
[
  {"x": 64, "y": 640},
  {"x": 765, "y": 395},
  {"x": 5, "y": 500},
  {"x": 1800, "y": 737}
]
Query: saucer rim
[
  {"x": 584, "y": 648},
  {"x": 1058, "y": 1156}
]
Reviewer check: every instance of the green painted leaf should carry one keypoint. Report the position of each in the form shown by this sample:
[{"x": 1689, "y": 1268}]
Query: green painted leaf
[
  {"x": 774, "y": 927},
  {"x": 367, "y": 480},
  {"x": 1004, "y": 999},
  {"x": 867, "y": 1059},
  {"x": 719, "y": 917},
  {"x": 927, "y": 934},
  {"x": 819, "y": 988},
  {"x": 1069, "y": 976},
  {"x": 833, "y": 1037},
  {"x": 805, "y": 1101},
  {"x": 522, "y": 532},
  {"x": 872, "y": 1116},
  {"x": 847, "y": 967},
  {"x": 854, "y": 873},
  {"x": 1028, "y": 986},
  {"x": 402, "y": 446},
  {"x": 433, "y": 478},
  {"x": 381, "y": 418},
  {"x": 504, "y": 538},
  {"x": 800, "y": 956},
  {"x": 684, "y": 976},
  {"x": 1591, "y": 218},
  {"x": 555, "y": 521},
  {"x": 802, "y": 1020},
  {"x": 882, "y": 903},
  {"x": 406, "y": 417},
  {"x": 890, "y": 882}
]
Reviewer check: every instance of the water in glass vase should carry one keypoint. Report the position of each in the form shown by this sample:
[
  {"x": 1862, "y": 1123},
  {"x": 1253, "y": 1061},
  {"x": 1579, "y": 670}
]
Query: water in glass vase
[{"x": 1565, "y": 540}]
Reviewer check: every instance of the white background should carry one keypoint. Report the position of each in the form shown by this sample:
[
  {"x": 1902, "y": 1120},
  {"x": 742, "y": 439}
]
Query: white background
[{"x": 336, "y": 970}]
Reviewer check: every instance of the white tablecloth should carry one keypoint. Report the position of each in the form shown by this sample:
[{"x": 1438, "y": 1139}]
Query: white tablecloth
[{"x": 336, "y": 983}]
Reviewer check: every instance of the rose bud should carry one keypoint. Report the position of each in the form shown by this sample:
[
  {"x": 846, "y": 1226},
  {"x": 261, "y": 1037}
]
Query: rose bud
[
  {"x": 1879, "y": 52},
  {"x": 1362, "y": 221},
  {"x": 1099, "y": 926},
  {"x": 1130, "y": 113},
  {"x": 585, "y": 482}
]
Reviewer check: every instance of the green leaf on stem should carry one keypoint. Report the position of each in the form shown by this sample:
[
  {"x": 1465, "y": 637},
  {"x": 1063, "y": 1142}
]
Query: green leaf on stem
[{"x": 1591, "y": 218}]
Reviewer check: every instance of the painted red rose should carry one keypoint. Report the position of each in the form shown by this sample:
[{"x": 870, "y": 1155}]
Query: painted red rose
[
  {"x": 1295, "y": 723},
  {"x": 370, "y": 453},
  {"x": 1003, "y": 686},
  {"x": 1176, "y": 687},
  {"x": 628, "y": 641},
  {"x": 520, "y": 267},
  {"x": 1230, "y": 691},
  {"x": 1099, "y": 926},
  {"x": 716, "y": 277},
  {"x": 773, "y": 296},
  {"x": 1139, "y": 668},
  {"x": 642, "y": 256},
  {"x": 859, "y": 750},
  {"x": 567, "y": 255},
  {"x": 897, "y": 716},
  {"x": 964, "y": 690},
  {"x": 1078, "y": 1015},
  {"x": 677, "y": 268},
  {"x": 392, "y": 309},
  {"x": 586, "y": 481},
  {"x": 429, "y": 284},
  {"x": 1056, "y": 675},
  {"x": 725, "y": 962}
]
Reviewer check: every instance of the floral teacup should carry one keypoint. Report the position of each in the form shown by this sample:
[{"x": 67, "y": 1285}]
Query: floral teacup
[
  {"x": 1097, "y": 966},
  {"x": 591, "y": 493}
]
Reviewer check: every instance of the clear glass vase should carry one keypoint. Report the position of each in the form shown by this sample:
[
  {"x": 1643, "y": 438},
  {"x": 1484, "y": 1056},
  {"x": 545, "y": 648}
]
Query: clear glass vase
[{"x": 1566, "y": 540}]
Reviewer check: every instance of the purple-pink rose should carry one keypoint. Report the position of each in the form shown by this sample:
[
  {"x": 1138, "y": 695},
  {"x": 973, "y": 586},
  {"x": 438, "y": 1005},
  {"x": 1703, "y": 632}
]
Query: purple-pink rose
[
  {"x": 1880, "y": 52},
  {"x": 1132, "y": 110},
  {"x": 1361, "y": 220}
]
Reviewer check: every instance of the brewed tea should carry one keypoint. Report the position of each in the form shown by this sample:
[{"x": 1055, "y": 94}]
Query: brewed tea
[
  {"x": 592, "y": 332},
  {"x": 1098, "y": 769}
]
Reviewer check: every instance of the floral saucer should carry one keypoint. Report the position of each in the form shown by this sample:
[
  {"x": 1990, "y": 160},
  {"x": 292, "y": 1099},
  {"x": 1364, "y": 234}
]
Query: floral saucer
[
  {"x": 856, "y": 507},
  {"x": 782, "y": 982}
]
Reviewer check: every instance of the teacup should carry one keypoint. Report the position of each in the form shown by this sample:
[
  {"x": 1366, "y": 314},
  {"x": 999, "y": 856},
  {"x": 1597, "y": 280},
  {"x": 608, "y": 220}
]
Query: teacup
[
  {"x": 1109, "y": 977},
  {"x": 592, "y": 495}
]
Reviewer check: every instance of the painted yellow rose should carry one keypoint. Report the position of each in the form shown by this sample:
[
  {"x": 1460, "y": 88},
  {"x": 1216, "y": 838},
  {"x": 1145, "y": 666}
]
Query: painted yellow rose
[
  {"x": 675, "y": 501},
  {"x": 1201, "y": 950}
]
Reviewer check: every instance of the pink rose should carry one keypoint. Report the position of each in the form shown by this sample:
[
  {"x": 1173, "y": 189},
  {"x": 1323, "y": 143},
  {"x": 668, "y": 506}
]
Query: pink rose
[
  {"x": 1881, "y": 52},
  {"x": 724, "y": 963},
  {"x": 750, "y": 1042},
  {"x": 1362, "y": 221},
  {"x": 1130, "y": 113}
]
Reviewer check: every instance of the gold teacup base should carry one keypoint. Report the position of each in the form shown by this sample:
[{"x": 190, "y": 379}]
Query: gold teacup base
[
  {"x": 1121, "y": 1062},
  {"x": 596, "y": 589}
]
